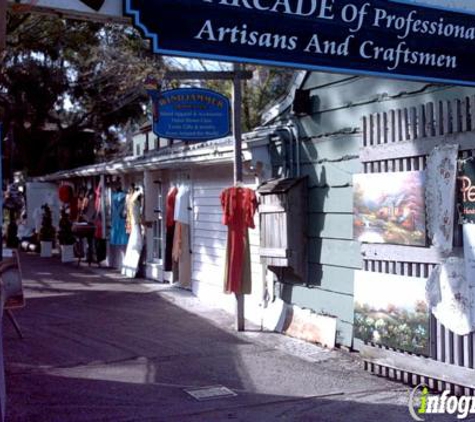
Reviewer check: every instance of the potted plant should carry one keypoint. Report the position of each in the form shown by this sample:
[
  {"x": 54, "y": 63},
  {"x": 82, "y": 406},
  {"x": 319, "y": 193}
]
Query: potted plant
[
  {"x": 66, "y": 238},
  {"x": 47, "y": 232}
]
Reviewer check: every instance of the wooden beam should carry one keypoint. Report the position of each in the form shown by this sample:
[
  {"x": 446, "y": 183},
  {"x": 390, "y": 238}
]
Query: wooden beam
[
  {"x": 425, "y": 367},
  {"x": 401, "y": 253},
  {"x": 238, "y": 173},
  {"x": 208, "y": 75}
]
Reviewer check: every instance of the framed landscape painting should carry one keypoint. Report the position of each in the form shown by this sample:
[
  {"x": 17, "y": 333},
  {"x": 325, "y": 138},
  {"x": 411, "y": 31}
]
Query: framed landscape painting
[
  {"x": 392, "y": 310},
  {"x": 389, "y": 208}
]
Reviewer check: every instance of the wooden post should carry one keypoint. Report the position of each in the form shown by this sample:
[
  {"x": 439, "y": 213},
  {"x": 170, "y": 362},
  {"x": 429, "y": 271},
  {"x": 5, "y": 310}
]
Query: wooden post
[
  {"x": 237, "y": 75},
  {"x": 237, "y": 100},
  {"x": 103, "y": 206},
  {"x": 3, "y": 25}
]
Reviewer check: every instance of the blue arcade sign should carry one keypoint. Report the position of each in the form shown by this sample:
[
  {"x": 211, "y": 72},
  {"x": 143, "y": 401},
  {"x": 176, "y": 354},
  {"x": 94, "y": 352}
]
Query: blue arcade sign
[
  {"x": 190, "y": 114},
  {"x": 409, "y": 39}
]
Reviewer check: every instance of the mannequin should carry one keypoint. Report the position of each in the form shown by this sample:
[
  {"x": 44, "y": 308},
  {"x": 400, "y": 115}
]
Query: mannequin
[{"x": 135, "y": 243}]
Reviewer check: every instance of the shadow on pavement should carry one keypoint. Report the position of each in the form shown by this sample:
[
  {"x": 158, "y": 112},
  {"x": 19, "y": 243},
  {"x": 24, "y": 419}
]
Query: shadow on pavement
[{"x": 114, "y": 354}]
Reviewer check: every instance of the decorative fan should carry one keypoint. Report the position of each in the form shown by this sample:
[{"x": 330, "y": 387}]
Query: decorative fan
[{"x": 94, "y": 4}]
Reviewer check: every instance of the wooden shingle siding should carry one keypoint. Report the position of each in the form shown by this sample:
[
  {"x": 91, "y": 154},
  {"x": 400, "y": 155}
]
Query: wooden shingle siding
[
  {"x": 340, "y": 253},
  {"x": 331, "y": 226},
  {"x": 331, "y": 200},
  {"x": 331, "y": 174},
  {"x": 330, "y": 141},
  {"x": 324, "y": 301},
  {"x": 330, "y": 148},
  {"x": 210, "y": 235},
  {"x": 335, "y": 279}
]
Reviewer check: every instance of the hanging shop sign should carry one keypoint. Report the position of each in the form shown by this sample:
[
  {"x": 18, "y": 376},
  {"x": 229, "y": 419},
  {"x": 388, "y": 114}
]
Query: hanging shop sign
[
  {"x": 190, "y": 114},
  {"x": 109, "y": 10},
  {"x": 466, "y": 182},
  {"x": 407, "y": 39}
]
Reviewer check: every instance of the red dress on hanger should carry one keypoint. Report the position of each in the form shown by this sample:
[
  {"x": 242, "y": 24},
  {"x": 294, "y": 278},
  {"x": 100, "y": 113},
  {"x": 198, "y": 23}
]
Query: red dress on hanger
[
  {"x": 170, "y": 227},
  {"x": 239, "y": 206}
]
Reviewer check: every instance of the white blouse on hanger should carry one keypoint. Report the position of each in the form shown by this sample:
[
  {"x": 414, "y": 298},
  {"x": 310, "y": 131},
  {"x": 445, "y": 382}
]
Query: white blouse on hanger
[{"x": 182, "y": 203}]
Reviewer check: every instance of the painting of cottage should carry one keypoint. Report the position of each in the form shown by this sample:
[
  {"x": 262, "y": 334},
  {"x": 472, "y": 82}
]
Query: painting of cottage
[
  {"x": 386, "y": 314},
  {"x": 389, "y": 208}
]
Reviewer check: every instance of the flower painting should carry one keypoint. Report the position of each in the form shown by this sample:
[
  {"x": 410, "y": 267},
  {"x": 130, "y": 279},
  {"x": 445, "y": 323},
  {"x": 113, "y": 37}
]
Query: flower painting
[
  {"x": 386, "y": 314},
  {"x": 389, "y": 208}
]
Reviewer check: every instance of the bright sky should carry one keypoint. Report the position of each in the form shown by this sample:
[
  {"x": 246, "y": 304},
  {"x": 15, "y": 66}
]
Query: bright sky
[{"x": 193, "y": 64}]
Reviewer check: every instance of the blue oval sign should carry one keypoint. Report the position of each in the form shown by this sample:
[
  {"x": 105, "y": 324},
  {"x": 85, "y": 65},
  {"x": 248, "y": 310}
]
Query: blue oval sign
[{"x": 190, "y": 114}]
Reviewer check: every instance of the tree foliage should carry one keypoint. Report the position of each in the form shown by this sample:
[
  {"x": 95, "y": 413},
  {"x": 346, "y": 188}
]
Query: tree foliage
[{"x": 69, "y": 88}]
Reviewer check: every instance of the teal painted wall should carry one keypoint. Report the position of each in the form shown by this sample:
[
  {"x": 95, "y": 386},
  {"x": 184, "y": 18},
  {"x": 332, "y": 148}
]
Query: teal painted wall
[{"x": 329, "y": 144}]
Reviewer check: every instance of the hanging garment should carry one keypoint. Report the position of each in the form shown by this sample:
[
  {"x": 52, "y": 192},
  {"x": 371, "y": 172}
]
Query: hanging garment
[
  {"x": 171, "y": 200},
  {"x": 73, "y": 209},
  {"x": 239, "y": 206},
  {"x": 86, "y": 207},
  {"x": 450, "y": 296},
  {"x": 182, "y": 205},
  {"x": 128, "y": 209},
  {"x": 182, "y": 253},
  {"x": 440, "y": 195},
  {"x": 134, "y": 246},
  {"x": 82, "y": 204},
  {"x": 176, "y": 249},
  {"x": 65, "y": 193},
  {"x": 97, "y": 199},
  {"x": 119, "y": 236},
  {"x": 170, "y": 228},
  {"x": 99, "y": 233},
  {"x": 89, "y": 209}
]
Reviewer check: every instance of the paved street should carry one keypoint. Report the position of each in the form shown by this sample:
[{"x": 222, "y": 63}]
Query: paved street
[{"x": 100, "y": 348}]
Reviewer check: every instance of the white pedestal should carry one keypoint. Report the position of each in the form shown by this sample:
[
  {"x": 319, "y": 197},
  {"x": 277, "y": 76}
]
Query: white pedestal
[
  {"x": 46, "y": 249},
  {"x": 67, "y": 253}
]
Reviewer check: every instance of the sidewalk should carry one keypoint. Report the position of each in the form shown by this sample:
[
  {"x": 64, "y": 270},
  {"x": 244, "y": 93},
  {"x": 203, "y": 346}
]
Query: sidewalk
[{"x": 101, "y": 348}]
